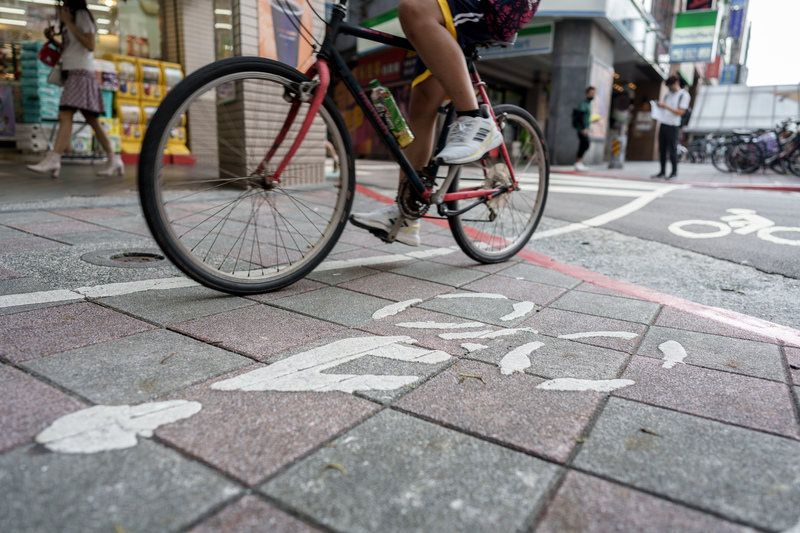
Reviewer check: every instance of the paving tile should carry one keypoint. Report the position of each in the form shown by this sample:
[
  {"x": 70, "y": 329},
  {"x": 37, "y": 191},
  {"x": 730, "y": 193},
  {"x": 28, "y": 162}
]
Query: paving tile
[
  {"x": 721, "y": 353},
  {"x": 737, "y": 473},
  {"x": 333, "y": 304},
  {"x": 403, "y": 474},
  {"x": 30, "y": 217},
  {"x": 145, "y": 488},
  {"x": 27, "y": 244},
  {"x": 92, "y": 213},
  {"x": 793, "y": 358},
  {"x": 304, "y": 285},
  {"x": 560, "y": 358},
  {"x": 540, "y": 274},
  {"x": 258, "y": 331},
  {"x": 10, "y": 233},
  {"x": 608, "y": 306},
  {"x": 42, "y": 332},
  {"x": 252, "y": 515},
  {"x": 555, "y": 322},
  {"x": 396, "y": 288},
  {"x": 27, "y": 406},
  {"x": 724, "y": 396},
  {"x": 672, "y": 318},
  {"x": 520, "y": 290},
  {"x": 20, "y": 285},
  {"x": 395, "y": 258},
  {"x": 497, "y": 311},
  {"x": 167, "y": 307},
  {"x": 507, "y": 409},
  {"x": 112, "y": 237},
  {"x": 137, "y": 368},
  {"x": 596, "y": 289},
  {"x": 47, "y": 229},
  {"x": 252, "y": 435},
  {"x": 439, "y": 273},
  {"x": 340, "y": 275},
  {"x": 591, "y": 505},
  {"x": 6, "y": 274},
  {"x": 428, "y": 327}
]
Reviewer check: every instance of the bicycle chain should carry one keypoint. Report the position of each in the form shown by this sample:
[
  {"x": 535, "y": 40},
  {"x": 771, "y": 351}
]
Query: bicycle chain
[{"x": 410, "y": 204}]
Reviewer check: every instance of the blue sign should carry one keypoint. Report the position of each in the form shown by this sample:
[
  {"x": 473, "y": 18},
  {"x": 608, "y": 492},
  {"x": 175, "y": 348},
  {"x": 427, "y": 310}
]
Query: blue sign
[
  {"x": 728, "y": 75},
  {"x": 737, "y": 18}
]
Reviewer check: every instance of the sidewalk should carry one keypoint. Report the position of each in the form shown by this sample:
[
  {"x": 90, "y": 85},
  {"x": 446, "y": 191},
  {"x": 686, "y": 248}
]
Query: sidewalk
[{"x": 397, "y": 389}]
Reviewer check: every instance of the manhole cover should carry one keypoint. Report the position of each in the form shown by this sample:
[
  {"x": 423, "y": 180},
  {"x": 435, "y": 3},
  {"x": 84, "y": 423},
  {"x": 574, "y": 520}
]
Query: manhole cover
[{"x": 139, "y": 258}]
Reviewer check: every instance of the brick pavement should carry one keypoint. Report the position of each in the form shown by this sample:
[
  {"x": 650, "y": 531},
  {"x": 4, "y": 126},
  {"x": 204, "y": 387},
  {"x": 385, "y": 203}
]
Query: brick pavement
[{"x": 508, "y": 397}]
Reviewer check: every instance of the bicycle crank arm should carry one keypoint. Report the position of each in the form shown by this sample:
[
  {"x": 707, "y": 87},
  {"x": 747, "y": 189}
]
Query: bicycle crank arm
[{"x": 445, "y": 212}]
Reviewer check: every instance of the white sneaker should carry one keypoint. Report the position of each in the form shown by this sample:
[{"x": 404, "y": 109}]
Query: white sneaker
[
  {"x": 580, "y": 167},
  {"x": 383, "y": 219},
  {"x": 470, "y": 138}
]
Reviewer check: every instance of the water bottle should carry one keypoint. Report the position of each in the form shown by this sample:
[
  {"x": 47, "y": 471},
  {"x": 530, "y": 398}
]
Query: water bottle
[{"x": 387, "y": 107}]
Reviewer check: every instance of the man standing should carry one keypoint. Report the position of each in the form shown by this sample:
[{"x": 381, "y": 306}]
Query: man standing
[
  {"x": 674, "y": 105},
  {"x": 581, "y": 120}
]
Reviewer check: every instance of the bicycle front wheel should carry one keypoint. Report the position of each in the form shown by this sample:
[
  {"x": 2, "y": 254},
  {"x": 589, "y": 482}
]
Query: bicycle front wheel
[
  {"x": 498, "y": 229},
  {"x": 222, "y": 220}
]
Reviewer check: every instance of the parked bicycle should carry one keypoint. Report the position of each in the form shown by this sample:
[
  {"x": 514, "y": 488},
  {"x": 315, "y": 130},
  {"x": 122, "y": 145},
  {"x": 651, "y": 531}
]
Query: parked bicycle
[
  {"x": 746, "y": 152},
  {"x": 263, "y": 206}
]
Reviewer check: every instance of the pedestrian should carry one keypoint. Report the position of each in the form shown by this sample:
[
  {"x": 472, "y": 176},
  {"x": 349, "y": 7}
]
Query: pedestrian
[
  {"x": 439, "y": 30},
  {"x": 81, "y": 90},
  {"x": 674, "y": 106},
  {"x": 582, "y": 118}
]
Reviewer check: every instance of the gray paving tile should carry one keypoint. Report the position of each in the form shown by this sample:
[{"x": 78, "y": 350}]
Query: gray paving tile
[
  {"x": 137, "y": 368},
  {"x": 793, "y": 358},
  {"x": 42, "y": 332},
  {"x": 27, "y": 406},
  {"x": 253, "y": 435},
  {"x": 91, "y": 213},
  {"x": 252, "y": 515},
  {"x": 540, "y": 274},
  {"x": 47, "y": 229},
  {"x": 22, "y": 286},
  {"x": 7, "y": 232},
  {"x": 110, "y": 237},
  {"x": 146, "y": 488},
  {"x": 672, "y": 318},
  {"x": 607, "y": 306},
  {"x": 403, "y": 474},
  {"x": 478, "y": 399},
  {"x": 259, "y": 331},
  {"x": 439, "y": 273},
  {"x": 724, "y": 396},
  {"x": 167, "y": 307},
  {"x": 333, "y": 304},
  {"x": 596, "y": 289},
  {"x": 591, "y": 505},
  {"x": 517, "y": 289},
  {"x": 496, "y": 311},
  {"x": 6, "y": 274},
  {"x": 304, "y": 285},
  {"x": 561, "y": 358},
  {"x": 597, "y": 331},
  {"x": 721, "y": 353},
  {"x": 396, "y": 288},
  {"x": 737, "y": 473},
  {"x": 340, "y": 275},
  {"x": 30, "y": 217},
  {"x": 27, "y": 244}
]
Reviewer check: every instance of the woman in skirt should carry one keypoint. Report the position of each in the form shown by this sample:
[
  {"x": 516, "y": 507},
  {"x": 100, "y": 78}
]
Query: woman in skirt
[{"x": 81, "y": 89}]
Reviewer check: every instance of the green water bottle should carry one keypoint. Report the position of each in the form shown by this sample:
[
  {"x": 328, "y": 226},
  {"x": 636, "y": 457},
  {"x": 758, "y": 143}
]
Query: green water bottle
[{"x": 387, "y": 107}]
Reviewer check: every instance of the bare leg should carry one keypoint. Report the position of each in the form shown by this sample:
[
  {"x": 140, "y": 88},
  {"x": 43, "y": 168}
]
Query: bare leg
[
  {"x": 426, "y": 98},
  {"x": 423, "y": 24},
  {"x": 64, "y": 131},
  {"x": 101, "y": 134}
]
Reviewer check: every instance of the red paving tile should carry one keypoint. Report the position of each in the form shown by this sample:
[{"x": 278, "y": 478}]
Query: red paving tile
[
  {"x": 590, "y": 505},
  {"x": 6, "y": 274},
  {"x": 28, "y": 406},
  {"x": 517, "y": 289},
  {"x": 252, "y": 435},
  {"x": 395, "y": 287},
  {"x": 509, "y": 409},
  {"x": 554, "y": 322},
  {"x": 252, "y": 515},
  {"x": 672, "y": 318},
  {"x": 259, "y": 331},
  {"x": 28, "y": 244},
  {"x": 724, "y": 396},
  {"x": 34, "y": 334},
  {"x": 47, "y": 229},
  {"x": 793, "y": 358}
]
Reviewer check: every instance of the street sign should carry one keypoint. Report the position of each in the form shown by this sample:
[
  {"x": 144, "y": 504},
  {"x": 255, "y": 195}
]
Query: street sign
[{"x": 694, "y": 37}]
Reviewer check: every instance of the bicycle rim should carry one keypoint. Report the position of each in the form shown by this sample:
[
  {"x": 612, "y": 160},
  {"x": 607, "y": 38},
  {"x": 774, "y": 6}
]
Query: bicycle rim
[
  {"x": 496, "y": 230},
  {"x": 222, "y": 222}
]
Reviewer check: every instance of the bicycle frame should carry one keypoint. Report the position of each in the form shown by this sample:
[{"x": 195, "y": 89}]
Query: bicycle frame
[{"x": 329, "y": 59}]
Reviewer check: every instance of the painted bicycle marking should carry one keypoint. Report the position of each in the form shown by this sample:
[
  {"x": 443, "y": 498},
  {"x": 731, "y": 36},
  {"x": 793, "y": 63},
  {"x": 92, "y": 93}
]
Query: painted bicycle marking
[{"x": 740, "y": 222}]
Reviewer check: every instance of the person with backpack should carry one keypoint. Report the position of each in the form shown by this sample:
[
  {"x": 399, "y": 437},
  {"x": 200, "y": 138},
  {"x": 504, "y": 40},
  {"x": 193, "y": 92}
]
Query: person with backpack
[
  {"x": 675, "y": 106},
  {"x": 581, "y": 119}
]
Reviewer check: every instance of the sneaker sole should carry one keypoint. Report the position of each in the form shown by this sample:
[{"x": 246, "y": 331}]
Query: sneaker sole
[{"x": 383, "y": 234}]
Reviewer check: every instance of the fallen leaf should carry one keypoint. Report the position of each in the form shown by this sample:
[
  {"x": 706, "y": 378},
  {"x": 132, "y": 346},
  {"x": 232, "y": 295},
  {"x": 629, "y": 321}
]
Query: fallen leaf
[
  {"x": 336, "y": 466},
  {"x": 649, "y": 432},
  {"x": 463, "y": 377}
]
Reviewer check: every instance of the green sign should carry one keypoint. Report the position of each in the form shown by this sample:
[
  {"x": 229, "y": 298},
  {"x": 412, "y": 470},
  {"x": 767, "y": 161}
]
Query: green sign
[{"x": 694, "y": 37}]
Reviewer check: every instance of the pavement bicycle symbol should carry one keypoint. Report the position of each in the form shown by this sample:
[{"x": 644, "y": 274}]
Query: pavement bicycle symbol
[{"x": 740, "y": 222}]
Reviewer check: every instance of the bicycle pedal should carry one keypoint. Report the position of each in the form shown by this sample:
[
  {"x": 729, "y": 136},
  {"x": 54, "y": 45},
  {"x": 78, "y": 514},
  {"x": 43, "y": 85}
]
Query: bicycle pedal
[{"x": 381, "y": 234}]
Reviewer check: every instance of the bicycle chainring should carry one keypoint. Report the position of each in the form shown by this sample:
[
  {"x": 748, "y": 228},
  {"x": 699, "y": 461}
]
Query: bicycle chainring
[{"x": 410, "y": 204}]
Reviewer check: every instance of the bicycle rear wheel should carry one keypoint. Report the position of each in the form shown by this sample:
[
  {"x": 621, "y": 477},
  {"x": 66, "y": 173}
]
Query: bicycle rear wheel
[
  {"x": 221, "y": 221},
  {"x": 495, "y": 231},
  {"x": 745, "y": 157}
]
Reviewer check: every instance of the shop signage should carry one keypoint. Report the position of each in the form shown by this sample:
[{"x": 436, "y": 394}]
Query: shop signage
[
  {"x": 530, "y": 41},
  {"x": 728, "y": 76},
  {"x": 694, "y": 37},
  {"x": 695, "y": 5},
  {"x": 573, "y": 7},
  {"x": 713, "y": 68},
  {"x": 737, "y": 18}
]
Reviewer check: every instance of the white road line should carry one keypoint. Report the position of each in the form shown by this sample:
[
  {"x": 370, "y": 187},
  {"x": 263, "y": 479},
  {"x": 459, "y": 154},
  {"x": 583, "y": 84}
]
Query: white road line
[{"x": 572, "y": 384}]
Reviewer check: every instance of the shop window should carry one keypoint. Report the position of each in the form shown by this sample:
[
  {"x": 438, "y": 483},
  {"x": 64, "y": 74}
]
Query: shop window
[{"x": 223, "y": 28}]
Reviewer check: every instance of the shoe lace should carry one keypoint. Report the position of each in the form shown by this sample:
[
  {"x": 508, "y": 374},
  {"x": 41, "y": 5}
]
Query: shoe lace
[{"x": 458, "y": 131}]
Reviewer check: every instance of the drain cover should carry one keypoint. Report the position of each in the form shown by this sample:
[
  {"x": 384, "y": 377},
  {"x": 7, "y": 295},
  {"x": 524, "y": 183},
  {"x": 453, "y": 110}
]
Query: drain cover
[{"x": 139, "y": 258}]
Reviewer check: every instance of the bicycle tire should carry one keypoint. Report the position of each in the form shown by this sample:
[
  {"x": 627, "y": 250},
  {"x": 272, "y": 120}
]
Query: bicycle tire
[
  {"x": 492, "y": 233},
  {"x": 719, "y": 158},
  {"x": 793, "y": 161},
  {"x": 745, "y": 158},
  {"x": 217, "y": 220}
]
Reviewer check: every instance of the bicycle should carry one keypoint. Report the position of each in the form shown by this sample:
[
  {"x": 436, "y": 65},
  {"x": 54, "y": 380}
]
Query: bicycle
[{"x": 270, "y": 207}]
